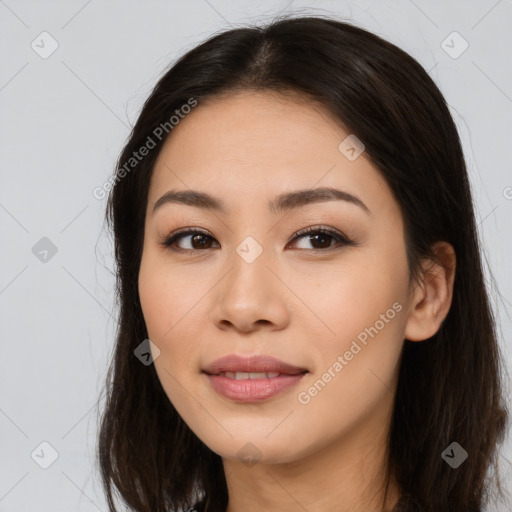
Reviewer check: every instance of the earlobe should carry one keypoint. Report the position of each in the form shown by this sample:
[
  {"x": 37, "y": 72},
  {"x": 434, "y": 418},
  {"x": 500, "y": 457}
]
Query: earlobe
[{"x": 432, "y": 297}]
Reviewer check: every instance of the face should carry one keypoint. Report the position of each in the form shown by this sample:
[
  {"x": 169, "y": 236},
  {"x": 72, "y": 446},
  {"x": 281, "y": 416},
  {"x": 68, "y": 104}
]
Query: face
[{"x": 243, "y": 279}]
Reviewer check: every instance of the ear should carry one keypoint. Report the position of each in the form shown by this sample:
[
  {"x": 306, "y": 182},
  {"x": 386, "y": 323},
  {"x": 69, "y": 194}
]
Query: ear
[{"x": 432, "y": 297}]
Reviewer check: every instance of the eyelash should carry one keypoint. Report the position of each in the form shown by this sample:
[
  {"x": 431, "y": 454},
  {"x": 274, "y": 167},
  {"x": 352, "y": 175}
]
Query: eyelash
[{"x": 341, "y": 238}]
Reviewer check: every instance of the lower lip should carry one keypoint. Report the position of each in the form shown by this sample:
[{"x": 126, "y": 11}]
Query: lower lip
[{"x": 252, "y": 390}]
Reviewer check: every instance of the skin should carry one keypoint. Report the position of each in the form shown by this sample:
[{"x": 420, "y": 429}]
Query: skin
[{"x": 298, "y": 304}]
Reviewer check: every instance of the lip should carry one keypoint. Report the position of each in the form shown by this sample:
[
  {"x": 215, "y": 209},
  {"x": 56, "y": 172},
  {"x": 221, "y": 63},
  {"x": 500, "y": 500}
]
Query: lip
[
  {"x": 252, "y": 390},
  {"x": 257, "y": 363}
]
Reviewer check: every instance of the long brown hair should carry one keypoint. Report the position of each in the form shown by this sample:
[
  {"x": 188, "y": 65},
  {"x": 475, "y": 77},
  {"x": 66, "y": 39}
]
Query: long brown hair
[{"x": 449, "y": 387}]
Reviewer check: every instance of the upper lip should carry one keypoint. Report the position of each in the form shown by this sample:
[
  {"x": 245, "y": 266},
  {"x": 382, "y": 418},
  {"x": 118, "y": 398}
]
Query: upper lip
[{"x": 256, "y": 363}]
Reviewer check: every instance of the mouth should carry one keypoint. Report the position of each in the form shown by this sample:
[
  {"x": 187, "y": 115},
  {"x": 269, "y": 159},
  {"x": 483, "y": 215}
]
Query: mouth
[
  {"x": 253, "y": 367},
  {"x": 252, "y": 379},
  {"x": 251, "y": 375}
]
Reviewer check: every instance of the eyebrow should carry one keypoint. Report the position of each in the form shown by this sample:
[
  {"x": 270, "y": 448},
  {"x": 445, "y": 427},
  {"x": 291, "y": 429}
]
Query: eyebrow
[{"x": 283, "y": 202}]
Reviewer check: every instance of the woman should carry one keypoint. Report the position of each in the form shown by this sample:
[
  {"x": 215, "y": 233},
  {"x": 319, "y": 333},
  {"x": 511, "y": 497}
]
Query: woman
[{"x": 303, "y": 320}]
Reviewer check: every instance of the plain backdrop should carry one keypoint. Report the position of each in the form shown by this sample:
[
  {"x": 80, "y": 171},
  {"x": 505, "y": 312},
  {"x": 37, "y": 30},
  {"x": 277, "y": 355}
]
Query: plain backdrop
[{"x": 73, "y": 77}]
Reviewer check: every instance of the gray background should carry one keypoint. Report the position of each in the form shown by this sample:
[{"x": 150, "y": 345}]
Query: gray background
[{"x": 64, "y": 120}]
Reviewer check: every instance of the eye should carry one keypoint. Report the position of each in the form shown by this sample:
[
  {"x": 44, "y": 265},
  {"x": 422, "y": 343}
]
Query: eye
[
  {"x": 320, "y": 237},
  {"x": 197, "y": 239}
]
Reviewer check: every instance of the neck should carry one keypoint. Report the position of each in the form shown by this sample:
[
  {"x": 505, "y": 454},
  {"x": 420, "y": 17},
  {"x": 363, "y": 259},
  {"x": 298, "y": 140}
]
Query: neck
[{"x": 348, "y": 475}]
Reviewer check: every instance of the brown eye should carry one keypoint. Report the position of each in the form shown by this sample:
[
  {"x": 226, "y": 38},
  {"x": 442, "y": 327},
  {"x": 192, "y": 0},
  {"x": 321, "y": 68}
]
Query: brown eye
[
  {"x": 194, "y": 240},
  {"x": 321, "y": 238}
]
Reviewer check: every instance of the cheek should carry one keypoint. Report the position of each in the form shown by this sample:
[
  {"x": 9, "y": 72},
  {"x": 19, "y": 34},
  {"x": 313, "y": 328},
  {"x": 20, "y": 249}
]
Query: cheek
[
  {"x": 170, "y": 316},
  {"x": 356, "y": 295},
  {"x": 355, "y": 366},
  {"x": 156, "y": 299},
  {"x": 362, "y": 310},
  {"x": 168, "y": 297},
  {"x": 172, "y": 302}
]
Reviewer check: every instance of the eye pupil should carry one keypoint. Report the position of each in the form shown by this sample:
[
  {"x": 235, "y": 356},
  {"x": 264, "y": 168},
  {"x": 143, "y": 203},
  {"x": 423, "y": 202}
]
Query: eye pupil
[
  {"x": 322, "y": 237},
  {"x": 201, "y": 244}
]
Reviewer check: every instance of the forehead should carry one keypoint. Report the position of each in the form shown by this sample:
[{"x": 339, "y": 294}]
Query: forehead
[
  {"x": 254, "y": 143},
  {"x": 242, "y": 122}
]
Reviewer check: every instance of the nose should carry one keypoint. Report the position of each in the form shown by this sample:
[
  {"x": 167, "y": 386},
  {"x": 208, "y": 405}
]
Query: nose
[{"x": 251, "y": 297}]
